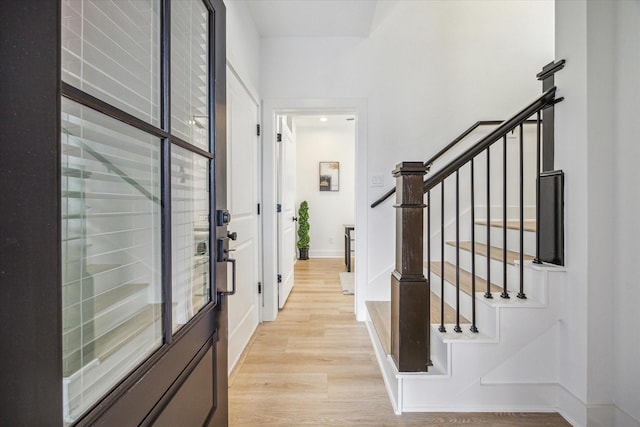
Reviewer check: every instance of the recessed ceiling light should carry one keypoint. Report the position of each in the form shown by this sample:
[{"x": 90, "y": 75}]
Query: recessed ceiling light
[{"x": 323, "y": 119}]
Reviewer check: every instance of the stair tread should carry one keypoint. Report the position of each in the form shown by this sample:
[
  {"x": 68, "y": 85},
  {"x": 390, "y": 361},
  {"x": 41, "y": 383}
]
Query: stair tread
[
  {"x": 108, "y": 343},
  {"x": 496, "y": 253},
  {"x": 380, "y": 313},
  {"x": 465, "y": 278},
  {"x": 529, "y": 224},
  {"x": 100, "y": 268}
]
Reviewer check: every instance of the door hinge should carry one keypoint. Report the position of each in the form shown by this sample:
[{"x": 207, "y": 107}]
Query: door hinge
[
  {"x": 278, "y": 208},
  {"x": 258, "y": 208},
  {"x": 279, "y": 278},
  {"x": 258, "y": 129},
  {"x": 279, "y": 137},
  {"x": 259, "y": 287}
]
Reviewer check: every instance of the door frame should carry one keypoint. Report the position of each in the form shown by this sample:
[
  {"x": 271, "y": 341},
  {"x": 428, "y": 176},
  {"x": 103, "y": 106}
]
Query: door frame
[
  {"x": 282, "y": 129},
  {"x": 259, "y": 239},
  {"x": 255, "y": 99},
  {"x": 270, "y": 109}
]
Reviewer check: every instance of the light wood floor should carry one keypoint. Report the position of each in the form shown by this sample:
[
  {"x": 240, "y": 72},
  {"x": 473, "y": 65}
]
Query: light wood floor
[{"x": 315, "y": 366}]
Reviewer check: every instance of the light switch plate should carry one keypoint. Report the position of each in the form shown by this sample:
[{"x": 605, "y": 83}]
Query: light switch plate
[{"x": 377, "y": 180}]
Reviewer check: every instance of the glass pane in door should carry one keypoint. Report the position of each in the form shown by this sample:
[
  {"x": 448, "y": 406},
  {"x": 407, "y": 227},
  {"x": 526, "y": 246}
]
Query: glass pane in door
[
  {"x": 189, "y": 70},
  {"x": 111, "y": 50},
  {"x": 111, "y": 284},
  {"x": 189, "y": 234}
]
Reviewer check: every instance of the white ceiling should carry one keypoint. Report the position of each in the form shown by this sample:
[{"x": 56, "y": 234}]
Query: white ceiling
[
  {"x": 312, "y": 18},
  {"x": 314, "y": 120}
]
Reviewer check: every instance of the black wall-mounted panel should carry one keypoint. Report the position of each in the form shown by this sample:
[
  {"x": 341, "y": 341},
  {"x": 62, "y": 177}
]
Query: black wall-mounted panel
[{"x": 551, "y": 227}]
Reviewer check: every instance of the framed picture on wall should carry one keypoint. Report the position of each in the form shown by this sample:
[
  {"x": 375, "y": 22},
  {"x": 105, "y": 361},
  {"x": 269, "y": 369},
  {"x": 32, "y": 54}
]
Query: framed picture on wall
[{"x": 329, "y": 176}]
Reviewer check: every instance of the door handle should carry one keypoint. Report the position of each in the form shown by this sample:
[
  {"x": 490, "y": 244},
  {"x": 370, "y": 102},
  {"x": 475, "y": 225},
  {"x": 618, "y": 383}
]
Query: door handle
[
  {"x": 233, "y": 277},
  {"x": 222, "y": 257},
  {"x": 294, "y": 219},
  {"x": 233, "y": 236}
]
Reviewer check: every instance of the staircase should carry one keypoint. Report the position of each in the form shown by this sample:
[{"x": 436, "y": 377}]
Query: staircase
[
  {"x": 489, "y": 273},
  {"x": 506, "y": 366}
]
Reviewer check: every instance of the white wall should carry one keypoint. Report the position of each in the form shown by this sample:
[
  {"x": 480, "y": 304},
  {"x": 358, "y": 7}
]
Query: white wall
[
  {"x": 626, "y": 176},
  {"x": 428, "y": 71},
  {"x": 328, "y": 210},
  {"x": 598, "y": 363},
  {"x": 243, "y": 45}
]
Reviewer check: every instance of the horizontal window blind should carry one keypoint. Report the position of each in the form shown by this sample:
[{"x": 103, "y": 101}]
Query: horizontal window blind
[
  {"x": 111, "y": 50},
  {"x": 189, "y": 234},
  {"x": 189, "y": 67},
  {"x": 111, "y": 252}
]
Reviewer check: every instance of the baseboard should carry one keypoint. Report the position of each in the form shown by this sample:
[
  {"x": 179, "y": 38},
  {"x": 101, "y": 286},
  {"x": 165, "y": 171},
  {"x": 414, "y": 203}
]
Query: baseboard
[
  {"x": 622, "y": 418},
  {"x": 581, "y": 414},
  {"x": 240, "y": 336},
  {"x": 322, "y": 253}
]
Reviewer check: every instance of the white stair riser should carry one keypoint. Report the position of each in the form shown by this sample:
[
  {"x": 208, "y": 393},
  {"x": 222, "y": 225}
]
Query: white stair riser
[
  {"x": 497, "y": 272},
  {"x": 485, "y": 313},
  {"x": 513, "y": 272},
  {"x": 513, "y": 239},
  {"x": 439, "y": 354}
]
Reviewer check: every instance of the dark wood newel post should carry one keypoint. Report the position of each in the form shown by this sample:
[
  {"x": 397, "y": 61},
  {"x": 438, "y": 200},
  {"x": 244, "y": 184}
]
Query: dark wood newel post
[{"x": 410, "y": 323}]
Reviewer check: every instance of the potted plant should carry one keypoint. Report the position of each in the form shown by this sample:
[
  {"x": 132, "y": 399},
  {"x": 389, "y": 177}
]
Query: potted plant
[{"x": 303, "y": 230}]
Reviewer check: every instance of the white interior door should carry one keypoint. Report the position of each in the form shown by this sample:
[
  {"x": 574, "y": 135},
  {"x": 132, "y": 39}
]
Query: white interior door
[
  {"x": 243, "y": 197},
  {"x": 286, "y": 222}
]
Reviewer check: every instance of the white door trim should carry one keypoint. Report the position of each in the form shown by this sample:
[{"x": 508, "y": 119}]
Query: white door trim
[
  {"x": 270, "y": 108},
  {"x": 247, "y": 303}
]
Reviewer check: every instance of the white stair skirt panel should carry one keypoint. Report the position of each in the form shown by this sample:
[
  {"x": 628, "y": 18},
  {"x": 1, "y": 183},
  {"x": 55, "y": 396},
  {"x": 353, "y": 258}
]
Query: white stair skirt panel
[{"x": 509, "y": 366}]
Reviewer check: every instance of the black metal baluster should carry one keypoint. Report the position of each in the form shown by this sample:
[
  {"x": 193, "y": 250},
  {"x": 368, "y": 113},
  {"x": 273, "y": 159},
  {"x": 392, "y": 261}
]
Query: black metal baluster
[
  {"x": 457, "y": 328},
  {"x": 473, "y": 255},
  {"x": 538, "y": 146},
  {"x": 504, "y": 293},
  {"x": 521, "y": 294},
  {"x": 488, "y": 294},
  {"x": 429, "y": 237},
  {"x": 430, "y": 363},
  {"x": 442, "y": 328}
]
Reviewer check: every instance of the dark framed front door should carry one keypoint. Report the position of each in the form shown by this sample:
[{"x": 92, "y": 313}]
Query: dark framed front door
[{"x": 113, "y": 168}]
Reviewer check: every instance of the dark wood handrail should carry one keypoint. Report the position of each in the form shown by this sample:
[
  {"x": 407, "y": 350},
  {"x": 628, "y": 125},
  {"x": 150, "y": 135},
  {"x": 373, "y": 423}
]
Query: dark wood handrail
[
  {"x": 448, "y": 147},
  {"x": 463, "y": 135},
  {"x": 546, "y": 99}
]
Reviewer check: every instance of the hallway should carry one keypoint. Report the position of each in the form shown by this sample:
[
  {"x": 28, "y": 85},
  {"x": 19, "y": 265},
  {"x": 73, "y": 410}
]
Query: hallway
[{"x": 315, "y": 366}]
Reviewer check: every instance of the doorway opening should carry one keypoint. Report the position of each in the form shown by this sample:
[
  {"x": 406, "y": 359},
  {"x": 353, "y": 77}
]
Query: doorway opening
[
  {"x": 325, "y": 179},
  {"x": 330, "y": 174}
]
